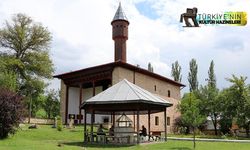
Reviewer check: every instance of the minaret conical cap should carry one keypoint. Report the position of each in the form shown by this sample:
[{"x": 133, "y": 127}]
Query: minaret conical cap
[{"x": 120, "y": 15}]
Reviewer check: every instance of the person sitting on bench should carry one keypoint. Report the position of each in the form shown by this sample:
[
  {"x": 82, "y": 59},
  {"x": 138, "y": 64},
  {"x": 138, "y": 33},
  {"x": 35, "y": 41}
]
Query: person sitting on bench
[
  {"x": 100, "y": 134},
  {"x": 111, "y": 131},
  {"x": 143, "y": 131},
  {"x": 100, "y": 130}
]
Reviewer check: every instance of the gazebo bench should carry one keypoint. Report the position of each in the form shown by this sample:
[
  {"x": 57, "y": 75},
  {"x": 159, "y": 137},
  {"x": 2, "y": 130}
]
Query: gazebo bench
[{"x": 156, "y": 135}]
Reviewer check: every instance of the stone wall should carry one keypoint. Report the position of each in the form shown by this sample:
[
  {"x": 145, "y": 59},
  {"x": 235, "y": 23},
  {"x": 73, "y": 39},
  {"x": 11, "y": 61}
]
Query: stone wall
[
  {"x": 155, "y": 86},
  {"x": 39, "y": 121},
  {"x": 149, "y": 83}
]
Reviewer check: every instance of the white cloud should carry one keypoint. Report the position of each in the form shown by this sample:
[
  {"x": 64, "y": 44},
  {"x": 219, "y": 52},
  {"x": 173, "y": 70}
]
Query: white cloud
[{"x": 82, "y": 35}]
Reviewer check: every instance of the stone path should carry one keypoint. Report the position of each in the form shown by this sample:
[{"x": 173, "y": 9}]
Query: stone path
[{"x": 208, "y": 140}]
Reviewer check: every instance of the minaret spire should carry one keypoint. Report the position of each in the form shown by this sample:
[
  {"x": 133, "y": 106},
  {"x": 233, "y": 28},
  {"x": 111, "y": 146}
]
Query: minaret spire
[
  {"x": 120, "y": 15},
  {"x": 120, "y": 34}
]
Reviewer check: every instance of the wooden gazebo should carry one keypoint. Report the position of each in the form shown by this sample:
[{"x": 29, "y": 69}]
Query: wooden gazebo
[{"x": 124, "y": 97}]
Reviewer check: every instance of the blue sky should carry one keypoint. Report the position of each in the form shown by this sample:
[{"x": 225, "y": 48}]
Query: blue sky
[
  {"x": 81, "y": 33},
  {"x": 146, "y": 9}
]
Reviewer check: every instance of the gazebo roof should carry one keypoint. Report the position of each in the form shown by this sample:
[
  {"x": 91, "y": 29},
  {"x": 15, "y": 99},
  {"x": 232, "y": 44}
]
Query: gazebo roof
[{"x": 125, "y": 92}]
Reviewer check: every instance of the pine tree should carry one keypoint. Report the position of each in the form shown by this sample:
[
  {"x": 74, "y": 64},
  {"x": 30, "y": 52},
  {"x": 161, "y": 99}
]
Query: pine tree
[{"x": 176, "y": 71}]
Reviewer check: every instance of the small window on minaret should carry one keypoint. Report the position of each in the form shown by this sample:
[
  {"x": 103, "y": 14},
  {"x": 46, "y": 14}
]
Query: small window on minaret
[
  {"x": 169, "y": 93},
  {"x": 155, "y": 87}
]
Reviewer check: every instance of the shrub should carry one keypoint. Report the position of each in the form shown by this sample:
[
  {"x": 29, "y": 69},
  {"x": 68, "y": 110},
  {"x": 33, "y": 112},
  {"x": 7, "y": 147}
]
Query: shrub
[
  {"x": 11, "y": 111},
  {"x": 59, "y": 124}
]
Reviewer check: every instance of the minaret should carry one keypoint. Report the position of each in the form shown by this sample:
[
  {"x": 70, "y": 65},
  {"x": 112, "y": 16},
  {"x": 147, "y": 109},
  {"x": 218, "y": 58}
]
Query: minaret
[{"x": 120, "y": 34}]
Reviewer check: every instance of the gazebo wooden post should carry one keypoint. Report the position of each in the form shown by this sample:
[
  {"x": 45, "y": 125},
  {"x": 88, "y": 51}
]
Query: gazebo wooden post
[
  {"x": 113, "y": 119},
  {"x": 80, "y": 102},
  {"x": 138, "y": 124},
  {"x": 92, "y": 123},
  {"x": 134, "y": 119},
  {"x": 165, "y": 123},
  {"x": 85, "y": 127},
  {"x": 149, "y": 135}
]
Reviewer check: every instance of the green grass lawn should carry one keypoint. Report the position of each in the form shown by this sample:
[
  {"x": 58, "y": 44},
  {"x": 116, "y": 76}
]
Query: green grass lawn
[{"x": 47, "y": 138}]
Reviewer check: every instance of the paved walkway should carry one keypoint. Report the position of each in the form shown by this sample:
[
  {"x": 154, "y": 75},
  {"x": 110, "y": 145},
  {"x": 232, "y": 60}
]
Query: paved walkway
[{"x": 208, "y": 140}]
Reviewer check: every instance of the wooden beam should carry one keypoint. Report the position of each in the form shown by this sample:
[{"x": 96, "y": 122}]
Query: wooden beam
[
  {"x": 80, "y": 102},
  {"x": 91, "y": 127},
  {"x": 134, "y": 120},
  {"x": 93, "y": 85},
  {"x": 149, "y": 125},
  {"x": 66, "y": 105},
  {"x": 165, "y": 124},
  {"x": 85, "y": 126},
  {"x": 113, "y": 119},
  {"x": 138, "y": 124},
  {"x": 134, "y": 77}
]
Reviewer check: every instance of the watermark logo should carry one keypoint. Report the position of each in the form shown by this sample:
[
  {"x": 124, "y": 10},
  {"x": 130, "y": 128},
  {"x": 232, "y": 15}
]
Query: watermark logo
[
  {"x": 218, "y": 19},
  {"x": 191, "y": 13}
]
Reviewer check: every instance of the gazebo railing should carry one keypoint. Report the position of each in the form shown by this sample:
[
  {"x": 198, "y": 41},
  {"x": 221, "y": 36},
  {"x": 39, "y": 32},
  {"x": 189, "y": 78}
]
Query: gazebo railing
[{"x": 105, "y": 138}]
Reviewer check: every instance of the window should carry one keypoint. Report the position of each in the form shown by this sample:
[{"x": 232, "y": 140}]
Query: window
[
  {"x": 168, "y": 121},
  {"x": 79, "y": 116},
  {"x": 169, "y": 94},
  {"x": 156, "y": 120},
  {"x": 105, "y": 119},
  {"x": 155, "y": 87}
]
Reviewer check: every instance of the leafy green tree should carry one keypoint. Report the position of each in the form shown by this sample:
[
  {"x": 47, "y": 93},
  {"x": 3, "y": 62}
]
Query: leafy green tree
[
  {"x": 8, "y": 80},
  {"x": 25, "y": 49},
  {"x": 240, "y": 94},
  {"x": 7, "y": 77},
  {"x": 211, "y": 105},
  {"x": 51, "y": 104},
  {"x": 192, "y": 76},
  {"x": 190, "y": 112},
  {"x": 228, "y": 110},
  {"x": 176, "y": 71}
]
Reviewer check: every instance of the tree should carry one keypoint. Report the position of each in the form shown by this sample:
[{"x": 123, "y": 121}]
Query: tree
[
  {"x": 26, "y": 53},
  {"x": 51, "y": 104},
  {"x": 176, "y": 71},
  {"x": 192, "y": 76},
  {"x": 190, "y": 112},
  {"x": 11, "y": 112},
  {"x": 240, "y": 94},
  {"x": 211, "y": 105},
  {"x": 7, "y": 77},
  {"x": 150, "y": 67},
  {"x": 8, "y": 80},
  {"x": 228, "y": 110}
]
